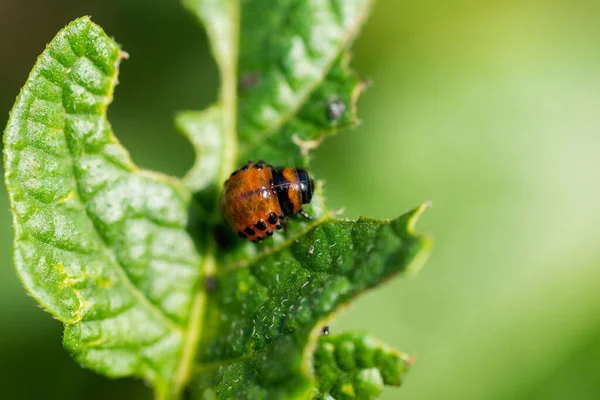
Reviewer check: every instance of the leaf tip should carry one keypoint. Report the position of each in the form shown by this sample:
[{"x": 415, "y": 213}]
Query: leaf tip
[
  {"x": 405, "y": 228},
  {"x": 85, "y": 19},
  {"x": 416, "y": 214},
  {"x": 410, "y": 360}
]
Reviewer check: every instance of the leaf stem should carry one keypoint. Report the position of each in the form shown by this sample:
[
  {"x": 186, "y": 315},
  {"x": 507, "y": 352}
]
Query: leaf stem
[
  {"x": 228, "y": 66},
  {"x": 221, "y": 19},
  {"x": 192, "y": 334}
]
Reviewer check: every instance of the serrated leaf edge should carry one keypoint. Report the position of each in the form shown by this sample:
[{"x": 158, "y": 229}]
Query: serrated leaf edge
[
  {"x": 418, "y": 260},
  {"x": 425, "y": 243},
  {"x": 348, "y": 38}
]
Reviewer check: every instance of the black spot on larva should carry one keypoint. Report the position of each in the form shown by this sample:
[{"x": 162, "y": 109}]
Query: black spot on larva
[
  {"x": 259, "y": 166},
  {"x": 242, "y": 235},
  {"x": 279, "y": 226},
  {"x": 271, "y": 182},
  {"x": 260, "y": 225},
  {"x": 210, "y": 283},
  {"x": 335, "y": 110},
  {"x": 269, "y": 233},
  {"x": 249, "y": 231},
  {"x": 245, "y": 167},
  {"x": 282, "y": 217},
  {"x": 272, "y": 218},
  {"x": 260, "y": 238}
]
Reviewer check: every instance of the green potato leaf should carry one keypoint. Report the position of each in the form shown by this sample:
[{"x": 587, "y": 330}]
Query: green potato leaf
[
  {"x": 139, "y": 267},
  {"x": 357, "y": 366},
  {"x": 266, "y": 313},
  {"x": 99, "y": 243},
  {"x": 331, "y": 106},
  {"x": 289, "y": 47},
  {"x": 292, "y": 84}
]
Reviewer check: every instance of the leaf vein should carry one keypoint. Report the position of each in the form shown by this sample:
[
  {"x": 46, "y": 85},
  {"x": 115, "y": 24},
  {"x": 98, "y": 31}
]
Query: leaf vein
[{"x": 137, "y": 292}]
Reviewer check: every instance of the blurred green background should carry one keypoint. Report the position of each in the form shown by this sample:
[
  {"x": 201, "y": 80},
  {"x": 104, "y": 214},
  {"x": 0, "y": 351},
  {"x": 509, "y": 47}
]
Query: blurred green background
[{"x": 491, "y": 110}]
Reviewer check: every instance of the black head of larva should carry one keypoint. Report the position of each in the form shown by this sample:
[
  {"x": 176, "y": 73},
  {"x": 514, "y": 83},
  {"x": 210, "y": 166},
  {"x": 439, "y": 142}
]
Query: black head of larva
[{"x": 307, "y": 185}]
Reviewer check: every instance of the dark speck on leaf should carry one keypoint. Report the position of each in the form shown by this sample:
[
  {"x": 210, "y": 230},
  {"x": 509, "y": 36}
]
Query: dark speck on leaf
[
  {"x": 335, "y": 110},
  {"x": 210, "y": 283},
  {"x": 325, "y": 330},
  {"x": 249, "y": 79},
  {"x": 311, "y": 250}
]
